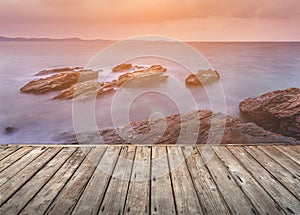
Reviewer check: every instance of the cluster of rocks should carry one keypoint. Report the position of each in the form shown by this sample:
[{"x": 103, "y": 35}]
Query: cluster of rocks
[
  {"x": 277, "y": 111},
  {"x": 75, "y": 82},
  {"x": 199, "y": 127}
]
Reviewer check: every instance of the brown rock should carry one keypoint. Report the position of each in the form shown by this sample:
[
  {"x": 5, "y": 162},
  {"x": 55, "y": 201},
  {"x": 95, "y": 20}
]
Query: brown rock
[
  {"x": 215, "y": 128},
  {"x": 202, "y": 77},
  {"x": 122, "y": 67},
  {"x": 277, "y": 111},
  {"x": 59, "y": 70},
  {"x": 143, "y": 75},
  {"x": 57, "y": 82}
]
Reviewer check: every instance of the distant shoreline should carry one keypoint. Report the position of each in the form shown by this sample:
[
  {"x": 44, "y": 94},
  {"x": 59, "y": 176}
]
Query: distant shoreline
[{"x": 76, "y": 39}]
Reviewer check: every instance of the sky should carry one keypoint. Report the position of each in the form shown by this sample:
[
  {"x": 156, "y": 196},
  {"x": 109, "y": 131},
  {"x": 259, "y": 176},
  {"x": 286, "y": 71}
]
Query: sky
[{"x": 189, "y": 20}]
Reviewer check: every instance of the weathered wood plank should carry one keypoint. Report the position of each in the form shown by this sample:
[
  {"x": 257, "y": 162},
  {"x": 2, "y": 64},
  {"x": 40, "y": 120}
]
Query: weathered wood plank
[
  {"x": 295, "y": 156},
  {"x": 281, "y": 174},
  {"x": 22, "y": 196},
  {"x": 288, "y": 202},
  {"x": 70, "y": 194},
  {"x": 7, "y": 150},
  {"x": 208, "y": 193},
  {"x": 42, "y": 200},
  {"x": 138, "y": 195},
  {"x": 283, "y": 160},
  {"x": 9, "y": 160},
  {"x": 258, "y": 196},
  {"x": 233, "y": 195},
  {"x": 162, "y": 201},
  {"x": 25, "y": 174},
  {"x": 296, "y": 148},
  {"x": 115, "y": 197},
  {"x": 185, "y": 195},
  {"x": 90, "y": 200},
  {"x": 13, "y": 169}
]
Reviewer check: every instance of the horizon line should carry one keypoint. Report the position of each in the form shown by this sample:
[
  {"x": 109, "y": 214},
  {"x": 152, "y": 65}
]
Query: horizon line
[{"x": 20, "y": 38}]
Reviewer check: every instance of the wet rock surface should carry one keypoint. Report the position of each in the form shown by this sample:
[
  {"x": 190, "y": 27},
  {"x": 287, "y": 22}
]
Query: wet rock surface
[
  {"x": 277, "y": 111},
  {"x": 199, "y": 127},
  {"x": 202, "y": 77},
  {"x": 57, "y": 82},
  {"x": 60, "y": 70}
]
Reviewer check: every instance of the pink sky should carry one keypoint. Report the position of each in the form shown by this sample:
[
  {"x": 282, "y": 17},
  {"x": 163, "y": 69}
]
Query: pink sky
[{"x": 201, "y": 20}]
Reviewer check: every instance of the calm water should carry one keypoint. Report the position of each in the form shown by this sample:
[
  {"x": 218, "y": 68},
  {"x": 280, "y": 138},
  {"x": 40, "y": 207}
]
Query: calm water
[{"x": 247, "y": 70}]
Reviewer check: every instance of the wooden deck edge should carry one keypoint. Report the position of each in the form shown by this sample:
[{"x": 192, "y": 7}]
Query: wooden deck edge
[{"x": 120, "y": 145}]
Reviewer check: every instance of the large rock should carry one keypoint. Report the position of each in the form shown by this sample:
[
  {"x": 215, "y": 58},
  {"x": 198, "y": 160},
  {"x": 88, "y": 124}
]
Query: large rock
[
  {"x": 202, "y": 77},
  {"x": 141, "y": 76},
  {"x": 56, "y": 82},
  {"x": 214, "y": 128},
  {"x": 277, "y": 111},
  {"x": 60, "y": 70}
]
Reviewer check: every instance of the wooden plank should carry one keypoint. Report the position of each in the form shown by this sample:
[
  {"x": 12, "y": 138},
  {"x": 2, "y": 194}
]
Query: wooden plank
[
  {"x": 288, "y": 202},
  {"x": 233, "y": 195},
  {"x": 10, "y": 187},
  {"x": 42, "y": 200},
  {"x": 139, "y": 188},
  {"x": 186, "y": 198},
  {"x": 283, "y": 160},
  {"x": 208, "y": 193},
  {"x": 296, "y": 148},
  {"x": 162, "y": 201},
  {"x": 9, "y": 160},
  {"x": 90, "y": 200},
  {"x": 7, "y": 150},
  {"x": 280, "y": 173},
  {"x": 70, "y": 194},
  {"x": 25, "y": 193},
  {"x": 115, "y": 197},
  {"x": 288, "y": 150},
  {"x": 17, "y": 166},
  {"x": 258, "y": 196}
]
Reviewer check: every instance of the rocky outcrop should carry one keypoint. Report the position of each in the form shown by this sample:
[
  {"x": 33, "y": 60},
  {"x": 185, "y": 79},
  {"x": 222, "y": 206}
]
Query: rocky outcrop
[
  {"x": 138, "y": 78},
  {"x": 60, "y": 70},
  {"x": 122, "y": 67},
  {"x": 57, "y": 82},
  {"x": 214, "y": 128},
  {"x": 277, "y": 111},
  {"x": 202, "y": 77},
  {"x": 142, "y": 75}
]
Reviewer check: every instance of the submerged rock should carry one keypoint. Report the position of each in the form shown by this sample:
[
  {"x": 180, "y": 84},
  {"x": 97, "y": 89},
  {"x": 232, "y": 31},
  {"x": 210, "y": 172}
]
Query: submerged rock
[
  {"x": 122, "y": 67},
  {"x": 214, "y": 128},
  {"x": 9, "y": 129},
  {"x": 277, "y": 111},
  {"x": 59, "y": 70},
  {"x": 202, "y": 77},
  {"x": 57, "y": 82}
]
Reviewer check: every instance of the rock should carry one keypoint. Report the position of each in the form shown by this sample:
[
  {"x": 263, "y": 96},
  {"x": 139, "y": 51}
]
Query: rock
[
  {"x": 146, "y": 74},
  {"x": 87, "y": 89},
  {"x": 59, "y": 70},
  {"x": 9, "y": 129},
  {"x": 203, "y": 77},
  {"x": 122, "y": 67},
  {"x": 57, "y": 82},
  {"x": 277, "y": 111},
  {"x": 214, "y": 128}
]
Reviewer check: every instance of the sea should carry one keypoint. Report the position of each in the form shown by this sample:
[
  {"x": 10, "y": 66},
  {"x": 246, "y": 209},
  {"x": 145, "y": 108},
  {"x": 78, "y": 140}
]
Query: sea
[{"x": 247, "y": 69}]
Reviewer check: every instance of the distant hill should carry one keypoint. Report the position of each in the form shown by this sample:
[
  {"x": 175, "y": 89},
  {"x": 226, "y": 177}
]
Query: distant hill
[{"x": 23, "y": 39}]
